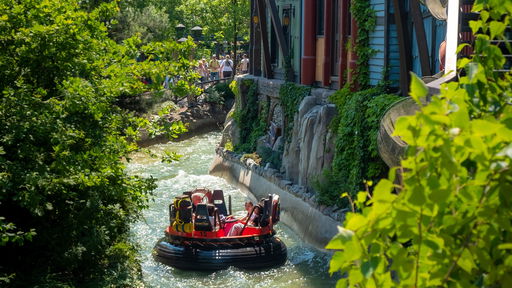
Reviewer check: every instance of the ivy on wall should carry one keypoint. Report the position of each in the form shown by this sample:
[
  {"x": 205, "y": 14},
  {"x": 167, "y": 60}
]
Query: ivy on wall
[
  {"x": 291, "y": 95},
  {"x": 356, "y": 157},
  {"x": 365, "y": 18},
  {"x": 251, "y": 119}
]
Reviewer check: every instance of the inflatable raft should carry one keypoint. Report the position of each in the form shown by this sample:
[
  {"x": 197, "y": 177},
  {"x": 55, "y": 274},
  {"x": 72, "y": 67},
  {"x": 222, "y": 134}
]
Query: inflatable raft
[{"x": 197, "y": 237}]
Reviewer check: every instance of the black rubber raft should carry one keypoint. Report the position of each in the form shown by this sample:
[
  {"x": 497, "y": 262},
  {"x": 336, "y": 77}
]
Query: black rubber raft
[{"x": 196, "y": 238}]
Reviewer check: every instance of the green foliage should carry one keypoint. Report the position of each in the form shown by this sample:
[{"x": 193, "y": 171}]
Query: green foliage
[
  {"x": 149, "y": 23},
  {"x": 8, "y": 234},
  {"x": 449, "y": 225},
  {"x": 356, "y": 157},
  {"x": 220, "y": 94},
  {"x": 229, "y": 146},
  {"x": 65, "y": 201},
  {"x": 291, "y": 95},
  {"x": 365, "y": 18},
  {"x": 252, "y": 118},
  {"x": 217, "y": 18},
  {"x": 268, "y": 155}
]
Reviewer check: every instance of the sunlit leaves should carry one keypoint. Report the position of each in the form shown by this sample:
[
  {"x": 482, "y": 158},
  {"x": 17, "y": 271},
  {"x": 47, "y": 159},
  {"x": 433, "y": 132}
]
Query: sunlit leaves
[
  {"x": 63, "y": 138},
  {"x": 418, "y": 88},
  {"x": 448, "y": 222}
]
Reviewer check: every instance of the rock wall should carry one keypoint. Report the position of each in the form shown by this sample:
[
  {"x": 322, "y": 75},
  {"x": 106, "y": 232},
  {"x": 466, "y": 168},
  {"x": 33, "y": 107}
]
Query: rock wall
[
  {"x": 313, "y": 223},
  {"x": 311, "y": 148}
]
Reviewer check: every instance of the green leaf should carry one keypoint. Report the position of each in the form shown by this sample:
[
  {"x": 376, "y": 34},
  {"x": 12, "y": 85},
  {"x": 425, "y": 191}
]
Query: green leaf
[
  {"x": 355, "y": 222},
  {"x": 505, "y": 246},
  {"x": 355, "y": 277},
  {"x": 337, "y": 262},
  {"x": 417, "y": 196},
  {"x": 361, "y": 197},
  {"x": 343, "y": 236},
  {"x": 497, "y": 28},
  {"x": 475, "y": 26},
  {"x": 484, "y": 127},
  {"x": 434, "y": 242},
  {"x": 382, "y": 192},
  {"x": 418, "y": 88},
  {"x": 342, "y": 283},
  {"x": 368, "y": 267},
  {"x": 466, "y": 261},
  {"x": 476, "y": 72}
]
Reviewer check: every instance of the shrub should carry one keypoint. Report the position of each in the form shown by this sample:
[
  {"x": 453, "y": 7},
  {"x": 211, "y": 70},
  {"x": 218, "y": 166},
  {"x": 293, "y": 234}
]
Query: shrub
[
  {"x": 356, "y": 157},
  {"x": 220, "y": 94},
  {"x": 251, "y": 119},
  {"x": 449, "y": 225}
]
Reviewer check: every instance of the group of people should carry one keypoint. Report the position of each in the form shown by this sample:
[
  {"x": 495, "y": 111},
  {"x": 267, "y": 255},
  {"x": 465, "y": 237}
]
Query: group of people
[
  {"x": 220, "y": 68},
  {"x": 252, "y": 218},
  {"x": 249, "y": 219}
]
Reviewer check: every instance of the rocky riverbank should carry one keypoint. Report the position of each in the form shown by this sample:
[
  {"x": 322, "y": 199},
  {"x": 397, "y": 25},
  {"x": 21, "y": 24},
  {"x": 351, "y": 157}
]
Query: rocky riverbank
[{"x": 200, "y": 119}]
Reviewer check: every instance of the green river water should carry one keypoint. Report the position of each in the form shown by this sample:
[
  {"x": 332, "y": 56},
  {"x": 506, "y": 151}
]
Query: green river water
[{"x": 305, "y": 267}]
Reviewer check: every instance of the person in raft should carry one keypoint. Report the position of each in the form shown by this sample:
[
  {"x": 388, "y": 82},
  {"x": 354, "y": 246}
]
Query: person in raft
[{"x": 237, "y": 228}]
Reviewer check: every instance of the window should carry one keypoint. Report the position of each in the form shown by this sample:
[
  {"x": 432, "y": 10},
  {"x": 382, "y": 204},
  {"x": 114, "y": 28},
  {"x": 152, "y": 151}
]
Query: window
[{"x": 320, "y": 17}]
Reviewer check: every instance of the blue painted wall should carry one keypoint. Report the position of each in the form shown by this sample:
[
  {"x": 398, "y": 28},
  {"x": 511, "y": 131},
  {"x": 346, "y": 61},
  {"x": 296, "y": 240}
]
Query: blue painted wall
[
  {"x": 388, "y": 56},
  {"x": 377, "y": 42},
  {"x": 393, "y": 55},
  {"x": 435, "y": 31}
]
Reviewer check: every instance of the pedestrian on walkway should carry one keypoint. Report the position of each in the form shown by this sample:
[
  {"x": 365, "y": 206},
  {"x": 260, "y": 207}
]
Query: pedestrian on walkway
[
  {"x": 214, "y": 68},
  {"x": 244, "y": 64},
  {"x": 226, "y": 67}
]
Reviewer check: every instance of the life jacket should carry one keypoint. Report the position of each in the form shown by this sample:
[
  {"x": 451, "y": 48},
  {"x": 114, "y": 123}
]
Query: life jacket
[{"x": 181, "y": 214}]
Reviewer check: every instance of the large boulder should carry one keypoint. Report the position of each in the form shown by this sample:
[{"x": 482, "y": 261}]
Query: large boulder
[{"x": 310, "y": 149}]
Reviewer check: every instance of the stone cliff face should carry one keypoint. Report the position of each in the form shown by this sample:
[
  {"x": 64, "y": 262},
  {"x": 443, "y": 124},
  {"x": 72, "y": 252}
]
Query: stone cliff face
[{"x": 311, "y": 147}]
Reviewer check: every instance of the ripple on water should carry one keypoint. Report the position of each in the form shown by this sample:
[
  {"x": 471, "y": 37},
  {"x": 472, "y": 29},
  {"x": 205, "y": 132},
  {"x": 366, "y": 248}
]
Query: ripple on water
[{"x": 305, "y": 267}]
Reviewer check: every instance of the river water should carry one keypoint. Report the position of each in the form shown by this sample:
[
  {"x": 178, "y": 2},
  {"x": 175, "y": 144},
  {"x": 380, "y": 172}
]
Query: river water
[{"x": 305, "y": 267}]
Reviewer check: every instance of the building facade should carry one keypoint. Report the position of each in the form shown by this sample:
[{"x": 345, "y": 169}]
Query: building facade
[{"x": 308, "y": 41}]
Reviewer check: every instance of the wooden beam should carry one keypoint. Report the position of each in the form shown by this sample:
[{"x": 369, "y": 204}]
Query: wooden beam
[
  {"x": 267, "y": 68},
  {"x": 257, "y": 51},
  {"x": 278, "y": 28},
  {"x": 255, "y": 43},
  {"x": 326, "y": 81},
  {"x": 421, "y": 37},
  {"x": 344, "y": 32},
  {"x": 308, "y": 59},
  {"x": 252, "y": 38},
  {"x": 452, "y": 36},
  {"x": 403, "y": 45}
]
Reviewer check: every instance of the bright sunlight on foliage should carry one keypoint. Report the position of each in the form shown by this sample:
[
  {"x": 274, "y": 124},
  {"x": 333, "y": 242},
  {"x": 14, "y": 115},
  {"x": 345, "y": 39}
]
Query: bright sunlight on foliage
[
  {"x": 66, "y": 202},
  {"x": 449, "y": 224}
]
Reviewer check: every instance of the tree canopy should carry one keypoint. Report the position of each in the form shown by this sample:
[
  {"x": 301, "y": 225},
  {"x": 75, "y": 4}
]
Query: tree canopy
[
  {"x": 156, "y": 19},
  {"x": 65, "y": 200}
]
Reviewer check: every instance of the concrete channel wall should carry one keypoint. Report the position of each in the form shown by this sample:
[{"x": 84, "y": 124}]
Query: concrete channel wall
[{"x": 316, "y": 225}]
